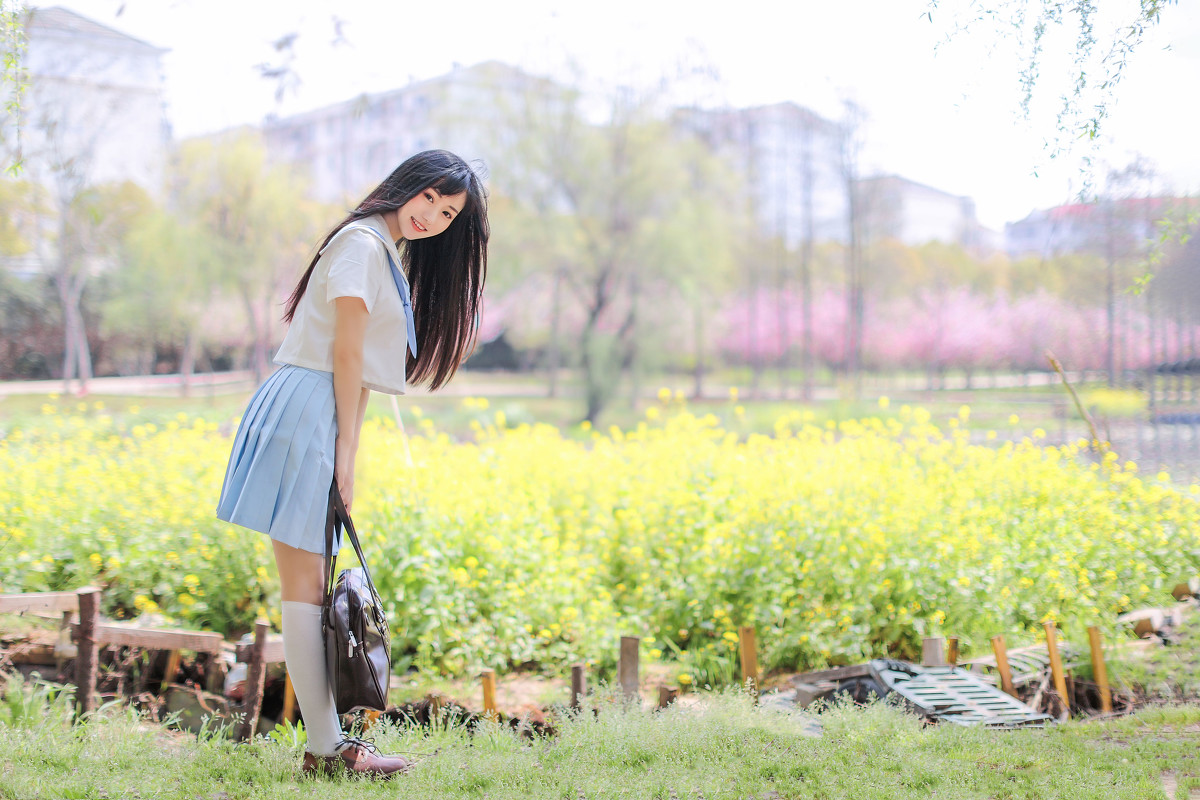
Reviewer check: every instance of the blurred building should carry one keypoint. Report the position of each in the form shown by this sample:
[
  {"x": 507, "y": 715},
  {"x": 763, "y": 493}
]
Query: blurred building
[
  {"x": 349, "y": 147},
  {"x": 913, "y": 213},
  {"x": 94, "y": 111},
  {"x": 1089, "y": 227},
  {"x": 791, "y": 158}
]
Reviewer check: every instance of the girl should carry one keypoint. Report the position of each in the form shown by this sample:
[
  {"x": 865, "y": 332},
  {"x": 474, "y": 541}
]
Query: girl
[{"x": 356, "y": 324}]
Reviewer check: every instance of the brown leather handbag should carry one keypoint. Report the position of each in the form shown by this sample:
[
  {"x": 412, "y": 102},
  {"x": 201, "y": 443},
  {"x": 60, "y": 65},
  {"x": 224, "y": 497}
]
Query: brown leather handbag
[{"x": 358, "y": 649}]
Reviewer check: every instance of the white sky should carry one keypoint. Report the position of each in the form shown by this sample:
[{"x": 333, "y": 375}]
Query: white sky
[{"x": 947, "y": 117}]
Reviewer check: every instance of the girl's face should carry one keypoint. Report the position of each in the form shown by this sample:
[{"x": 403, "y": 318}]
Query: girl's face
[{"x": 429, "y": 213}]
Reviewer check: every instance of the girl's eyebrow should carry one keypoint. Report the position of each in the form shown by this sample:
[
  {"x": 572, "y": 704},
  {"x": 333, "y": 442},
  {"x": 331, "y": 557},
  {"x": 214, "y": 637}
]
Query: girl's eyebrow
[{"x": 439, "y": 194}]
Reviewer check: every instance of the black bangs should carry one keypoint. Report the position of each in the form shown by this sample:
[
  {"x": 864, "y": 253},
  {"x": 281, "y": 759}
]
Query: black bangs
[
  {"x": 456, "y": 182},
  {"x": 453, "y": 183}
]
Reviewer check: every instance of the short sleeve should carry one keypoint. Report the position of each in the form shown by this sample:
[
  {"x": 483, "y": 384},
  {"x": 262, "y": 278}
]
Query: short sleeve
[{"x": 355, "y": 268}]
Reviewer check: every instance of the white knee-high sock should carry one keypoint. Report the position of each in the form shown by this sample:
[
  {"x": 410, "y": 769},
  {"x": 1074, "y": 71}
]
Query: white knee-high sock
[{"x": 304, "y": 652}]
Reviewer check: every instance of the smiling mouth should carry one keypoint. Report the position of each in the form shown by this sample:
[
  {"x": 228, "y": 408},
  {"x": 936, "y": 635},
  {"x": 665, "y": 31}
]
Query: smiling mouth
[{"x": 418, "y": 225}]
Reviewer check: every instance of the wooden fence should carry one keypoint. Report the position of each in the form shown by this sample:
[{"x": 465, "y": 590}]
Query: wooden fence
[{"x": 90, "y": 632}]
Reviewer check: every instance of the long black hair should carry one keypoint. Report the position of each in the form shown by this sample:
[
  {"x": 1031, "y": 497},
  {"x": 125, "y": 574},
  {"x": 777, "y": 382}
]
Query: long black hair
[{"x": 446, "y": 272}]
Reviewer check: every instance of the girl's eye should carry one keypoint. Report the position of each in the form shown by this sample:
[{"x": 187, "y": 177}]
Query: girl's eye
[
  {"x": 447, "y": 213},
  {"x": 429, "y": 197}
]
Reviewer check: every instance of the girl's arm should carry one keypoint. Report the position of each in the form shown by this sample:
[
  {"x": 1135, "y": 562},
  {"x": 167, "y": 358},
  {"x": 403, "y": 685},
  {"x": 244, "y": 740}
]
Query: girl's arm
[
  {"x": 362, "y": 413},
  {"x": 349, "y": 329}
]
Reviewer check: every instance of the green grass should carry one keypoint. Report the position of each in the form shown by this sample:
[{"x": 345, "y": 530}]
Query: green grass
[
  {"x": 528, "y": 390},
  {"x": 723, "y": 748},
  {"x": 451, "y": 413}
]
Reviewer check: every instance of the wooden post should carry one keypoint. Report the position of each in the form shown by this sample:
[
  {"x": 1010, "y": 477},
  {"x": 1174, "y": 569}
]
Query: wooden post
[
  {"x": 1006, "y": 682},
  {"x": 289, "y": 699},
  {"x": 256, "y": 674},
  {"x": 172, "y": 668},
  {"x": 1056, "y": 667},
  {"x": 436, "y": 701},
  {"x": 1099, "y": 670},
  {"x": 933, "y": 652},
  {"x": 64, "y": 648},
  {"x": 87, "y": 656},
  {"x": 214, "y": 674},
  {"x": 578, "y": 685},
  {"x": 627, "y": 667},
  {"x": 952, "y": 651},
  {"x": 667, "y": 695},
  {"x": 749, "y": 656},
  {"x": 488, "y": 677}
]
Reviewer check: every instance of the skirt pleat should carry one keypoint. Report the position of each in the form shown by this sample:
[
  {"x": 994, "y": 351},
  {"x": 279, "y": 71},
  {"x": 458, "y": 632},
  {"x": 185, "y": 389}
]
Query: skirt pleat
[
  {"x": 259, "y": 415},
  {"x": 281, "y": 462},
  {"x": 264, "y": 447},
  {"x": 276, "y": 439},
  {"x": 310, "y": 500},
  {"x": 305, "y": 431}
]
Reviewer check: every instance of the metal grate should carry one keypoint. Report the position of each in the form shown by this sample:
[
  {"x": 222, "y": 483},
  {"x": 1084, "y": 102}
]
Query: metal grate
[{"x": 957, "y": 696}]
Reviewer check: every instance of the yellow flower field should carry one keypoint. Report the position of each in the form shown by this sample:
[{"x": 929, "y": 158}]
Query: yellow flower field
[{"x": 528, "y": 547}]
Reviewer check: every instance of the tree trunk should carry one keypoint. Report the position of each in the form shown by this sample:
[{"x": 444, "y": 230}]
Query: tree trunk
[
  {"x": 1110, "y": 296},
  {"x": 263, "y": 348},
  {"x": 806, "y": 257},
  {"x": 77, "y": 359},
  {"x": 187, "y": 363},
  {"x": 595, "y": 395},
  {"x": 82, "y": 351},
  {"x": 68, "y": 367},
  {"x": 593, "y": 391},
  {"x": 553, "y": 350},
  {"x": 698, "y": 370},
  {"x": 628, "y": 339},
  {"x": 785, "y": 338},
  {"x": 258, "y": 353}
]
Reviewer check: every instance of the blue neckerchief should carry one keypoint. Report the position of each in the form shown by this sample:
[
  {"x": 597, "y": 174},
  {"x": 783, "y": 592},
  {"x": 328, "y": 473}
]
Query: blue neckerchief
[{"x": 401, "y": 286}]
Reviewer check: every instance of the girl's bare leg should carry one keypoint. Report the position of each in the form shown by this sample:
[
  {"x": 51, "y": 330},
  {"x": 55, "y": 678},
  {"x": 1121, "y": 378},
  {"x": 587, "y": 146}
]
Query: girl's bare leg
[
  {"x": 300, "y": 577},
  {"x": 303, "y": 590}
]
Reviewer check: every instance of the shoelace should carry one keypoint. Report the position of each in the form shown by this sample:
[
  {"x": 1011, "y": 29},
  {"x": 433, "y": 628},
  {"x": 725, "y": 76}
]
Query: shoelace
[
  {"x": 369, "y": 744},
  {"x": 354, "y": 741}
]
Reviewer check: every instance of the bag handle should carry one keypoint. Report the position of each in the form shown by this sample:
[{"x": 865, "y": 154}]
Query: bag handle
[{"x": 335, "y": 519}]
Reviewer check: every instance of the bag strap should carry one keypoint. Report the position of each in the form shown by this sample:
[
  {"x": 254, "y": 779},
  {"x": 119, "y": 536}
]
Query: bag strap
[{"x": 335, "y": 519}]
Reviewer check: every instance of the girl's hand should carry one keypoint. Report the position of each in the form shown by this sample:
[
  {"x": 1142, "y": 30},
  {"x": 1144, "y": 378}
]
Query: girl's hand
[{"x": 343, "y": 469}]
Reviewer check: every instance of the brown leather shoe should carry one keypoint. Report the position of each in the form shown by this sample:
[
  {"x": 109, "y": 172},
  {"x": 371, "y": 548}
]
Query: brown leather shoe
[{"x": 358, "y": 756}]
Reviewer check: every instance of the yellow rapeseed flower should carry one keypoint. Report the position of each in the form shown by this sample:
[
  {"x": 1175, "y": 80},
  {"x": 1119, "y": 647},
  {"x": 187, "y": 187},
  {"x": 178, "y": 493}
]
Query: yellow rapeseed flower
[{"x": 684, "y": 508}]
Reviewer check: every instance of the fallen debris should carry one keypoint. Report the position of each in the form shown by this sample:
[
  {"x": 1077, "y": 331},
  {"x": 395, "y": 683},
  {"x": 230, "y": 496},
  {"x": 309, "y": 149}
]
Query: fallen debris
[
  {"x": 1161, "y": 622},
  {"x": 940, "y": 694},
  {"x": 1028, "y": 664}
]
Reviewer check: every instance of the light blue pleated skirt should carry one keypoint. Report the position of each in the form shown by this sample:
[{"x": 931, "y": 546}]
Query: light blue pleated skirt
[{"x": 281, "y": 465}]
